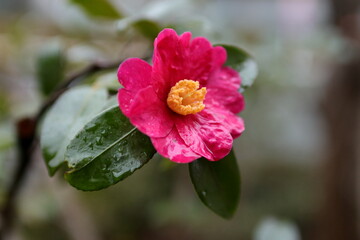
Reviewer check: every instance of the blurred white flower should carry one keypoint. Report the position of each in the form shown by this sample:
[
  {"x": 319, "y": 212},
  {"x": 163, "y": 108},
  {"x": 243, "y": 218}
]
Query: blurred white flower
[{"x": 271, "y": 228}]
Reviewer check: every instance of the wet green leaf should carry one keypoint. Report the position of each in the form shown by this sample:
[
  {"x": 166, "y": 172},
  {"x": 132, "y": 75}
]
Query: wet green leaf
[
  {"x": 67, "y": 116},
  {"x": 217, "y": 183},
  {"x": 50, "y": 67},
  {"x": 98, "y": 8},
  {"x": 107, "y": 150},
  {"x": 242, "y": 62}
]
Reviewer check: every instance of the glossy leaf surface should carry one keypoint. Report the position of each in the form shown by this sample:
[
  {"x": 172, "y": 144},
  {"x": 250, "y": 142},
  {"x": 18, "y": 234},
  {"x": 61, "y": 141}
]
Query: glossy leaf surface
[
  {"x": 107, "y": 150},
  {"x": 98, "y": 8},
  {"x": 68, "y": 115},
  {"x": 242, "y": 62},
  {"x": 217, "y": 183}
]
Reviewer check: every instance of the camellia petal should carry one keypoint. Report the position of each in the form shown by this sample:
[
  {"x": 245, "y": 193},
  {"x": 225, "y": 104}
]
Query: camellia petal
[
  {"x": 225, "y": 76},
  {"x": 233, "y": 101},
  {"x": 223, "y": 87},
  {"x": 134, "y": 74},
  {"x": 125, "y": 100},
  {"x": 200, "y": 58},
  {"x": 233, "y": 123},
  {"x": 145, "y": 111},
  {"x": 219, "y": 55},
  {"x": 178, "y": 57},
  {"x": 165, "y": 62},
  {"x": 205, "y": 135},
  {"x": 174, "y": 148}
]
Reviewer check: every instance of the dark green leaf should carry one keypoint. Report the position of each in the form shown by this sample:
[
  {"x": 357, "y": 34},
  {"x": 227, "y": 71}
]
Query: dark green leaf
[
  {"x": 107, "y": 150},
  {"x": 68, "y": 115},
  {"x": 242, "y": 62},
  {"x": 217, "y": 183},
  {"x": 147, "y": 28},
  {"x": 98, "y": 8},
  {"x": 50, "y": 67}
]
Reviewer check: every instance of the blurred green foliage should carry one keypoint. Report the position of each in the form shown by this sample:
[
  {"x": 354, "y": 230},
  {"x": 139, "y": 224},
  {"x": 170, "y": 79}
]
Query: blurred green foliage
[
  {"x": 4, "y": 106},
  {"x": 98, "y": 8},
  {"x": 50, "y": 66},
  {"x": 148, "y": 28}
]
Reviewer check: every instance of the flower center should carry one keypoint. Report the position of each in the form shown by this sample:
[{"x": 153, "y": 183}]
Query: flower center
[{"x": 186, "y": 98}]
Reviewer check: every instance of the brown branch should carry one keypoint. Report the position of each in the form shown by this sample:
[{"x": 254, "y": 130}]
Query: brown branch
[
  {"x": 25, "y": 131},
  {"x": 26, "y": 138}
]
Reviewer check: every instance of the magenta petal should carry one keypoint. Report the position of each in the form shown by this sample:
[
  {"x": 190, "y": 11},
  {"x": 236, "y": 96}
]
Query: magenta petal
[
  {"x": 178, "y": 57},
  {"x": 200, "y": 60},
  {"x": 223, "y": 87},
  {"x": 219, "y": 57},
  {"x": 164, "y": 34},
  {"x": 125, "y": 100},
  {"x": 233, "y": 101},
  {"x": 145, "y": 111},
  {"x": 174, "y": 148},
  {"x": 205, "y": 135},
  {"x": 204, "y": 59},
  {"x": 233, "y": 123},
  {"x": 165, "y": 61},
  {"x": 134, "y": 74},
  {"x": 184, "y": 40},
  {"x": 225, "y": 76}
]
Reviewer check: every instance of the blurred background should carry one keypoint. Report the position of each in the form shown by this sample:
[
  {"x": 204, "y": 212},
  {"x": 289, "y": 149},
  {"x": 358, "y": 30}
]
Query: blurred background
[{"x": 299, "y": 156}]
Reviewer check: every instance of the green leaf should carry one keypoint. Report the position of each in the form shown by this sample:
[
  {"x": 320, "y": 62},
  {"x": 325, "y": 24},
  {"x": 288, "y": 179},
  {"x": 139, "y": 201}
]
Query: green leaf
[
  {"x": 50, "y": 67},
  {"x": 98, "y": 8},
  {"x": 217, "y": 183},
  {"x": 147, "y": 28},
  {"x": 107, "y": 150},
  {"x": 242, "y": 62},
  {"x": 68, "y": 115}
]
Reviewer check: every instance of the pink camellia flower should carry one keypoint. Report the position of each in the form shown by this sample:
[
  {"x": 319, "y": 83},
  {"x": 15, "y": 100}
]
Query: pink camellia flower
[{"x": 186, "y": 102}]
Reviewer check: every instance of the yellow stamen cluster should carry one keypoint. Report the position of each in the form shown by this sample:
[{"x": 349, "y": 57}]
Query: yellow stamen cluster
[{"x": 186, "y": 98}]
